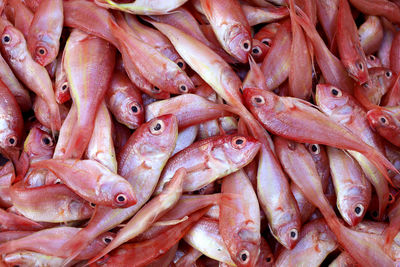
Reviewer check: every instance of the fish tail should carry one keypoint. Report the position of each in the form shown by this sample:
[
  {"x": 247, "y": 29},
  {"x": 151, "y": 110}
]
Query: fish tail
[{"x": 381, "y": 163}]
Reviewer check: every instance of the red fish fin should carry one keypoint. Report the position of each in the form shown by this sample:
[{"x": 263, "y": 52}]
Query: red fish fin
[{"x": 382, "y": 164}]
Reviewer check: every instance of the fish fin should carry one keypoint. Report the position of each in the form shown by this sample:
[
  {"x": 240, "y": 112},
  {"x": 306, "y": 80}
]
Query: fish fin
[{"x": 382, "y": 164}]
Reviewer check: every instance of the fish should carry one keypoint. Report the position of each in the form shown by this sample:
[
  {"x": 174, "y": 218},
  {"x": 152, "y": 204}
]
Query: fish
[
  {"x": 38, "y": 80},
  {"x": 215, "y": 158},
  {"x": 89, "y": 63},
  {"x": 10, "y": 118},
  {"x": 349, "y": 46},
  {"x": 281, "y": 116},
  {"x": 101, "y": 186},
  {"x": 45, "y": 31},
  {"x": 230, "y": 26}
]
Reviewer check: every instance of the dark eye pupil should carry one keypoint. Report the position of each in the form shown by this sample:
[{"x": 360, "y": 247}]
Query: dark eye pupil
[
  {"x": 335, "y": 92},
  {"x": 107, "y": 240},
  {"x": 46, "y": 141},
  {"x": 64, "y": 87},
  {"x": 180, "y": 64},
  {"x": 360, "y": 66},
  {"x": 239, "y": 141},
  {"x": 372, "y": 57},
  {"x": 266, "y": 43},
  {"x": 156, "y": 88},
  {"x": 292, "y": 234},
  {"x": 388, "y": 74},
  {"x": 157, "y": 127},
  {"x": 255, "y": 51},
  {"x": 383, "y": 120},
  {"x": 183, "y": 88},
  {"x": 6, "y": 39},
  {"x": 41, "y": 51},
  {"x": 390, "y": 197},
  {"x": 246, "y": 45},
  {"x": 268, "y": 259},
  {"x": 92, "y": 204},
  {"x": 134, "y": 109},
  {"x": 11, "y": 140},
  {"x": 258, "y": 100},
  {"x": 357, "y": 210},
  {"x": 244, "y": 257},
  {"x": 121, "y": 198},
  {"x": 314, "y": 148}
]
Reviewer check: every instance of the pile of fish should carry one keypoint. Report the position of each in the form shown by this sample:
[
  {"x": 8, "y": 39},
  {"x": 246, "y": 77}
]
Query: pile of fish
[{"x": 199, "y": 133}]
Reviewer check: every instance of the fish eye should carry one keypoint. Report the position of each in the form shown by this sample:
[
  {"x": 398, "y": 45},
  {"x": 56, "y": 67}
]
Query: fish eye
[
  {"x": 239, "y": 142},
  {"x": 180, "y": 63},
  {"x": 246, "y": 45},
  {"x": 268, "y": 259},
  {"x": 383, "y": 120},
  {"x": 121, "y": 199},
  {"x": 255, "y": 50},
  {"x": 47, "y": 141},
  {"x": 315, "y": 149},
  {"x": 57, "y": 181},
  {"x": 336, "y": 92},
  {"x": 266, "y": 41},
  {"x": 93, "y": 205},
  {"x": 374, "y": 214},
  {"x": 258, "y": 100},
  {"x": 6, "y": 39},
  {"x": 360, "y": 66},
  {"x": 294, "y": 234},
  {"x": 365, "y": 85},
  {"x": 183, "y": 89},
  {"x": 359, "y": 209},
  {"x": 371, "y": 57},
  {"x": 388, "y": 74},
  {"x": 135, "y": 108},
  {"x": 157, "y": 127},
  {"x": 156, "y": 90},
  {"x": 244, "y": 256},
  {"x": 64, "y": 87},
  {"x": 107, "y": 239},
  {"x": 41, "y": 51},
  {"x": 12, "y": 141}
]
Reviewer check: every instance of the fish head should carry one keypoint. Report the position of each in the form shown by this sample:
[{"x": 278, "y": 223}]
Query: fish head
[
  {"x": 132, "y": 112},
  {"x": 248, "y": 248},
  {"x": 239, "y": 42},
  {"x": 13, "y": 42},
  {"x": 358, "y": 70},
  {"x": 382, "y": 78},
  {"x": 287, "y": 234},
  {"x": 184, "y": 83},
  {"x": 240, "y": 149},
  {"x": 122, "y": 194},
  {"x": 39, "y": 144},
  {"x": 382, "y": 121},
  {"x": 373, "y": 61},
  {"x": 353, "y": 209},
  {"x": 43, "y": 49},
  {"x": 331, "y": 99},
  {"x": 62, "y": 93},
  {"x": 258, "y": 100}
]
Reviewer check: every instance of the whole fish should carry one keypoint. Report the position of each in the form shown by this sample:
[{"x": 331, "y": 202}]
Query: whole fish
[
  {"x": 353, "y": 191},
  {"x": 349, "y": 46},
  {"x": 50, "y": 203},
  {"x": 49, "y": 241},
  {"x": 88, "y": 62},
  {"x": 149, "y": 213},
  {"x": 101, "y": 186},
  {"x": 45, "y": 31},
  {"x": 210, "y": 159},
  {"x": 143, "y": 7},
  {"x": 10, "y": 119},
  {"x": 281, "y": 116},
  {"x": 101, "y": 146},
  {"x": 37, "y": 79},
  {"x": 140, "y": 161},
  {"x": 230, "y": 26},
  {"x": 240, "y": 226},
  {"x": 371, "y": 34}
]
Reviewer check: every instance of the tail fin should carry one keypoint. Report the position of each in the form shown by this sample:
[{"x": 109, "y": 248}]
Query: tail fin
[{"x": 381, "y": 163}]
